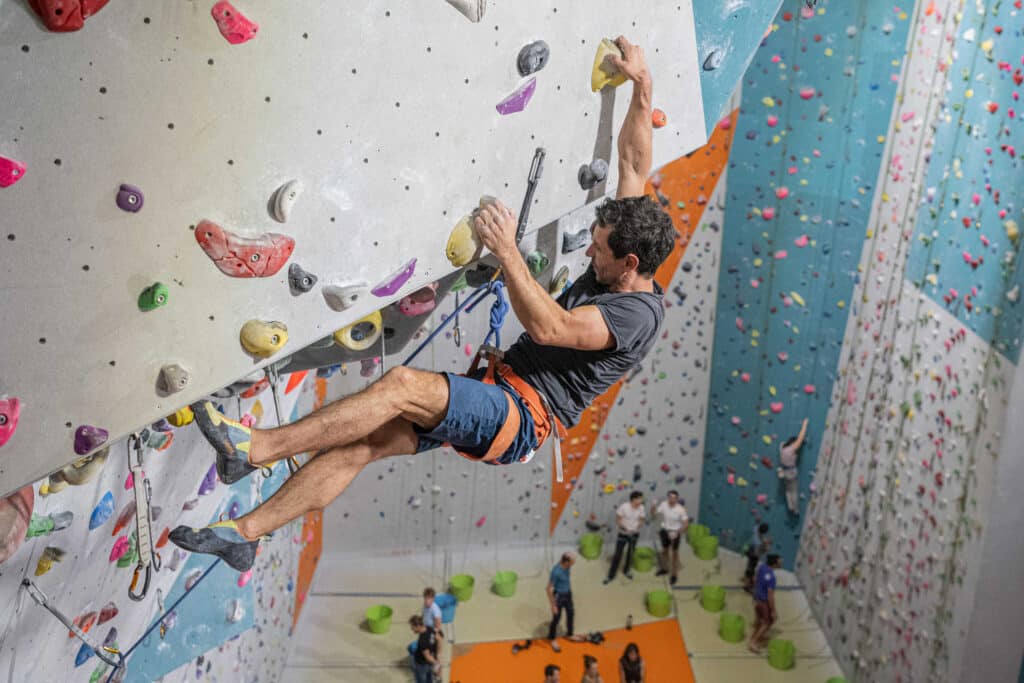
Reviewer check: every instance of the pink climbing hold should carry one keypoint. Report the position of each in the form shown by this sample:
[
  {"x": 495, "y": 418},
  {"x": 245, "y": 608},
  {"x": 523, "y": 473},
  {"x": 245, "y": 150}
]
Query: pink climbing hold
[
  {"x": 740, "y": 326},
  {"x": 762, "y": 498},
  {"x": 809, "y": 389},
  {"x": 517, "y": 101},
  {"x": 782, "y": 356},
  {"x": 119, "y": 549},
  {"x": 776, "y": 407},
  {"x": 807, "y": 93},
  {"x": 773, "y": 120},
  {"x": 745, "y": 377},
  {"x": 244, "y": 578},
  {"x": 782, "y": 192},
  {"x": 468, "y": 349},
  {"x": 66, "y": 15},
  {"x": 907, "y": 116},
  {"x": 781, "y": 254},
  {"x": 395, "y": 281},
  {"x": 420, "y": 302},
  {"x": 480, "y": 522},
  {"x": 725, "y": 124},
  {"x": 248, "y": 420},
  {"x": 851, "y": 394},
  {"x": 10, "y": 411},
  {"x": 11, "y": 171},
  {"x": 238, "y": 256},
  {"x": 767, "y": 213},
  {"x": 801, "y": 241},
  {"x": 731, "y": 479},
  {"x": 736, "y": 419},
  {"x": 665, "y": 467},
  {"x": 233, "y": 25}
]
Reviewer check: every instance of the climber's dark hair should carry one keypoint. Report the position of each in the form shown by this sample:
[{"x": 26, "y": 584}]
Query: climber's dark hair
[{"x": 639, "y": 226}]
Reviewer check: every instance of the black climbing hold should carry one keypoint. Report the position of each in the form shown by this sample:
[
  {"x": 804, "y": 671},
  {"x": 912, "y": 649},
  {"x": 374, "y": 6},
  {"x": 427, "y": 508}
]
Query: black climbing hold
[
  {"x": 299, "y": 280},
  {"x": 533, "y": 58},
  {"x": 713, "y": 60}
]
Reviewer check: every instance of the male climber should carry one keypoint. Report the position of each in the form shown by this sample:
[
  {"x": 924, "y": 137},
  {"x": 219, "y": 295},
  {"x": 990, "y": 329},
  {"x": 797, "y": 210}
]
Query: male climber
[{"x": 572, "y": 351}]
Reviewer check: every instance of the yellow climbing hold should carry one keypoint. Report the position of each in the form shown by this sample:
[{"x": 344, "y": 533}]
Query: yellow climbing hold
[
  {"x": 758, "y": 262},
  {"x": 932, "y": 279},
  {"x": 463, "y": 245},
  {"x": 841, "y": 304},
  {"x": 828, "y": 52},
  {"x": 768, "y": 101},
  {"x": 767, "y": 439},
  {"x": 604, "y": 73},
  {"x": 740, "y": 481},
  {"x": 1012, "y": 231},
  {"x": 362, "y": 334},
  {"x": 257, "y": 411},
  {"x": 263, "y": 338},
  {"x": 772, "y": 390},
  {"x": 182, "y": 417},
  {"x": 733, "y": 450},
  {"x": 631, "y": 430},
  {"x": 609, "y": 488},
  {"x": 797, "y": 298}
]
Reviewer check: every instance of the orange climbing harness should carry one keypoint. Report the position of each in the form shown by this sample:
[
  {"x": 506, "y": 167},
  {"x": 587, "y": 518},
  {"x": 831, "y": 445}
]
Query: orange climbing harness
[{"x": 544, "y": 418}]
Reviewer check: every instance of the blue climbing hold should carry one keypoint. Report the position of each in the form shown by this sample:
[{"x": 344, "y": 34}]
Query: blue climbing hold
[
  {"x": 84, "y": 653},
  {"x": 102, "y": 512}
]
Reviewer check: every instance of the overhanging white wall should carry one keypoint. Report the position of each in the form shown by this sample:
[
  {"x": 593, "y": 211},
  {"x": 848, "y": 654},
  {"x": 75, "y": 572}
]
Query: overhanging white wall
[{"x": 402, "y": 141}]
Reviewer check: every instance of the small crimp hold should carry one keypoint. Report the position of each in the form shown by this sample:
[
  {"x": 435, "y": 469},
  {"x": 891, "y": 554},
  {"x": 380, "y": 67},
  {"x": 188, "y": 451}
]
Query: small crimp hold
[{"x": 299, "y": 280}]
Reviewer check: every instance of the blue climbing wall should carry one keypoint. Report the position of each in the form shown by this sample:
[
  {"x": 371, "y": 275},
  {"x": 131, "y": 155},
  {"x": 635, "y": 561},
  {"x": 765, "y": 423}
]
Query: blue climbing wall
[
  {"x": 725, "y": 33},
  {"x": 963, "y": 255},
  {"x": 815, "y": 110}
]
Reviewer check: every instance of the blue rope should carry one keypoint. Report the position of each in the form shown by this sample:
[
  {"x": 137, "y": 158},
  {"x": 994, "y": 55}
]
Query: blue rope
[
  {"x": 499, "y": 309},
  {"x": 124, "y": 657}
]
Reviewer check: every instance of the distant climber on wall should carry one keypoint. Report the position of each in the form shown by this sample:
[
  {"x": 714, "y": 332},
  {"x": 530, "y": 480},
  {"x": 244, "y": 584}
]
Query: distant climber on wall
[
  {"x": 572, "y": 351},
  {"x": 788, "y": 471}
]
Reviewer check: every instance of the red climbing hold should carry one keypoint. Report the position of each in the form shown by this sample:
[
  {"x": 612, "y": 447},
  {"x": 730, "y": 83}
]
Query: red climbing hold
[
  {"x": 10, "y": 411},
  {"x": 233, "y": 25},
  {"x": 66, "y": 15},
  {"x": 658, "y": 119},
  {"x": 11, "y": 171},
  {"x": 238, "y": 256}
]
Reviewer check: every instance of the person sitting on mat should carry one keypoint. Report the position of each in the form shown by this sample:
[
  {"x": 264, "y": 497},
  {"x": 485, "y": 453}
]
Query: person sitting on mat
[
  {"x": 590, "y": 670},
  {"x": 764, "y": 603},
  {"x": 631, "y": 666},
  {"x": 572, "y": 351},
  {"x": 674, "y": 521},
  {"x": 552, "y": 674},
  {"x": 628, "y": 517}
]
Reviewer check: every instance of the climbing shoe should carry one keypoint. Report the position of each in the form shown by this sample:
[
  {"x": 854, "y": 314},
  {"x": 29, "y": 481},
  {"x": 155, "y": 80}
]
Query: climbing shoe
[
  {"x": 230, "y": 439},
  {"x": 221, "y": 539}
]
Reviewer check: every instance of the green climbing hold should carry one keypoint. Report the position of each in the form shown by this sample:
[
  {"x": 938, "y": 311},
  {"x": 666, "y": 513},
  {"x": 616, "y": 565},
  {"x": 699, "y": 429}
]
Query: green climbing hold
[
  {"x": 132, "y": 556},
  {"x": 153, "y": 297},
  {"x": 538, "y": 262}
]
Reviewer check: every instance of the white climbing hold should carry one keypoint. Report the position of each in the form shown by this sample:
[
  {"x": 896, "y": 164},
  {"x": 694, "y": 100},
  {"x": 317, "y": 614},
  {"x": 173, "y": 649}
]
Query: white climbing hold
[
  {"x": 471, "y": 9},
  {"x": 284, "y": 199},
  {"x": 344, "y": 297}
]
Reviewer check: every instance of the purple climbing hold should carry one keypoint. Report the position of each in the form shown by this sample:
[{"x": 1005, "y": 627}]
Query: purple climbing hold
[
  {"x": 517, "y": 101},
  {"x": 234, "y": 510},
  {"x": 395, "y": 281},
  {"x": 209, "y": 481},
  {"x": 89, "y": 438},
  {"x": 130, "y": 198}
]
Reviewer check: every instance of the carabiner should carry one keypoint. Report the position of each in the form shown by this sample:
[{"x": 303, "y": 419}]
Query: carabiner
[{"x": 139, "y": 568}]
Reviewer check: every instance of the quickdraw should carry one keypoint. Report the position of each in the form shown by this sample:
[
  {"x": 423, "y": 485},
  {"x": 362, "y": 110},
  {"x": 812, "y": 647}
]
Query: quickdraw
[
  {"x": 110, "y": 655},
  {"x": 149, "y": 559}
]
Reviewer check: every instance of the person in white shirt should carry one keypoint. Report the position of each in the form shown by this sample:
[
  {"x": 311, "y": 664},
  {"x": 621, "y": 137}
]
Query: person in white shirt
[
  {"x": 431, "y": 612},
  {"x": 788, "y": 470},
  {"x": 674, "y": 521},
  {"x": 628, "y": 517}
]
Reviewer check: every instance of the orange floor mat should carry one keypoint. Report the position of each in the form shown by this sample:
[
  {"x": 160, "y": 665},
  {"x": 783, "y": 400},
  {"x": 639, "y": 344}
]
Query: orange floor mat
[{"x": 660, "y": 642}]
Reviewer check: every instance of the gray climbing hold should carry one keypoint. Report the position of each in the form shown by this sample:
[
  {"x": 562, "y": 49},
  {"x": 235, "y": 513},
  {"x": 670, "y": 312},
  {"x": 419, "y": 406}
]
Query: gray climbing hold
[
  {"x": 299, "y": 280},
  {"x": 173, "y": 378},
  {"x": 471, "y": 9},
  {"x": 578, "y": 240},
  {"x": 713, "y": 60},
  {"x": 533, "y": 58},
  {"x": 592, "y": 174}
]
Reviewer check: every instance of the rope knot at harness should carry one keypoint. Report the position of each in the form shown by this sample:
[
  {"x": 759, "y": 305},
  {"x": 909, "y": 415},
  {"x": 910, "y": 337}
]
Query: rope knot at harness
[{"x": 499, "y": 309}]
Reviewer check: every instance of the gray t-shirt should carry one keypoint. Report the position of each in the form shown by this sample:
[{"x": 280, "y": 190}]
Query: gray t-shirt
[{"x": 571, "y": 379}]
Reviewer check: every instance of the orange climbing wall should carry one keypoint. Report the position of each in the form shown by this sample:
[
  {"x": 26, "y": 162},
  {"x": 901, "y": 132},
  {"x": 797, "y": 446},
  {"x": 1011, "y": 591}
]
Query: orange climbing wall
[
  {"x": 312, "y": 528},
  {"x": 690, "y": 179},
  {"x": 660, "y": 643}
]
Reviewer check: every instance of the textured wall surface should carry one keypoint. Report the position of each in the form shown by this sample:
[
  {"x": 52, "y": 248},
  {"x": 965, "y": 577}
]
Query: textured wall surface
[
  {"x": 402, "y": 142},
  {"x": 811, "y": 131}
]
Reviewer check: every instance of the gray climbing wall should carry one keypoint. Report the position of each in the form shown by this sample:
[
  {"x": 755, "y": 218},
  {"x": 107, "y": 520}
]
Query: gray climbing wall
[
  {"x": 403, "y": 140},
  {"x": 910, "y": 499}
]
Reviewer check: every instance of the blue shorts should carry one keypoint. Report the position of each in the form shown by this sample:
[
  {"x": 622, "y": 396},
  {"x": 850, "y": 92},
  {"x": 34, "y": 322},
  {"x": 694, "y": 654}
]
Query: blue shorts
[{"x": 476, "y": 412}]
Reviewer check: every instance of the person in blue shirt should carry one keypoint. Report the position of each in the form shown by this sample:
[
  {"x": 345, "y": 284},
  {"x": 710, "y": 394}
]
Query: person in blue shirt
[
  {"x": 560, "y": 597},
  {"x": 764, "y": 602}
]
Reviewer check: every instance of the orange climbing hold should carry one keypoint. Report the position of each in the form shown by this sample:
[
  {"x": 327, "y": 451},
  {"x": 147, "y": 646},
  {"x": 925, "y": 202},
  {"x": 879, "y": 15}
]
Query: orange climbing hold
[{"x": 659, "y": 119}]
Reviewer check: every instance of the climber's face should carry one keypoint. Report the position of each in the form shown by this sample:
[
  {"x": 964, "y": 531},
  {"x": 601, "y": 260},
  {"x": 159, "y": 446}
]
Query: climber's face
[{"x": 608, "y": 269}]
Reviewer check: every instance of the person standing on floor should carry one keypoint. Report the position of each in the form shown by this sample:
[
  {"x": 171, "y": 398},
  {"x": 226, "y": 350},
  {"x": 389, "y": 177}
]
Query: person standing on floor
[
  {"x": 788, "y": 470},
  {"x": 560, "y": 597},
  {"x": 631, "y": 666},
  {"x": 431, "y": 612},
  {"x": 764, "y": 603},
  {"x": 674, "y": 521},
  {"x": 426, "y": 661},
  {"x": 760, "y": 544},
  {"x": 590, "y": 670},
  {"x": 628, "y": 517},
  {"x": 552, "y": 674}
]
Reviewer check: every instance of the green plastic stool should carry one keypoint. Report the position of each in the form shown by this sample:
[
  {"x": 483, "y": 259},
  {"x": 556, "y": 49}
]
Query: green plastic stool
[
  {"x": 643, "y": 559},
  {"x": 590, "y": 545},
  {"x": 462, "y": 587},
  {"x": 505, "y": 584},
  {"x": 712, "y": 598},
  {"x": 659, "y": 603},
  {"x": 378, "y": 618},
  {"x": 706, "y": 547},
  {"x": 836, "y": 679},
  {"x": 781, "y": 654},
  {"x": 732, "y": 627},
  {"x": 695, "y": 531}
]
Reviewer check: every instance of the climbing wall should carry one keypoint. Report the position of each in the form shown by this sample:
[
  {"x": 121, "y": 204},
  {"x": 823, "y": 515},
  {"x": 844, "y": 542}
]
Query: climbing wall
[
  {"x": 811, "y": 134},
  {"x": 909, "y": 491},
  {"x": 178, "y": 121}
]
